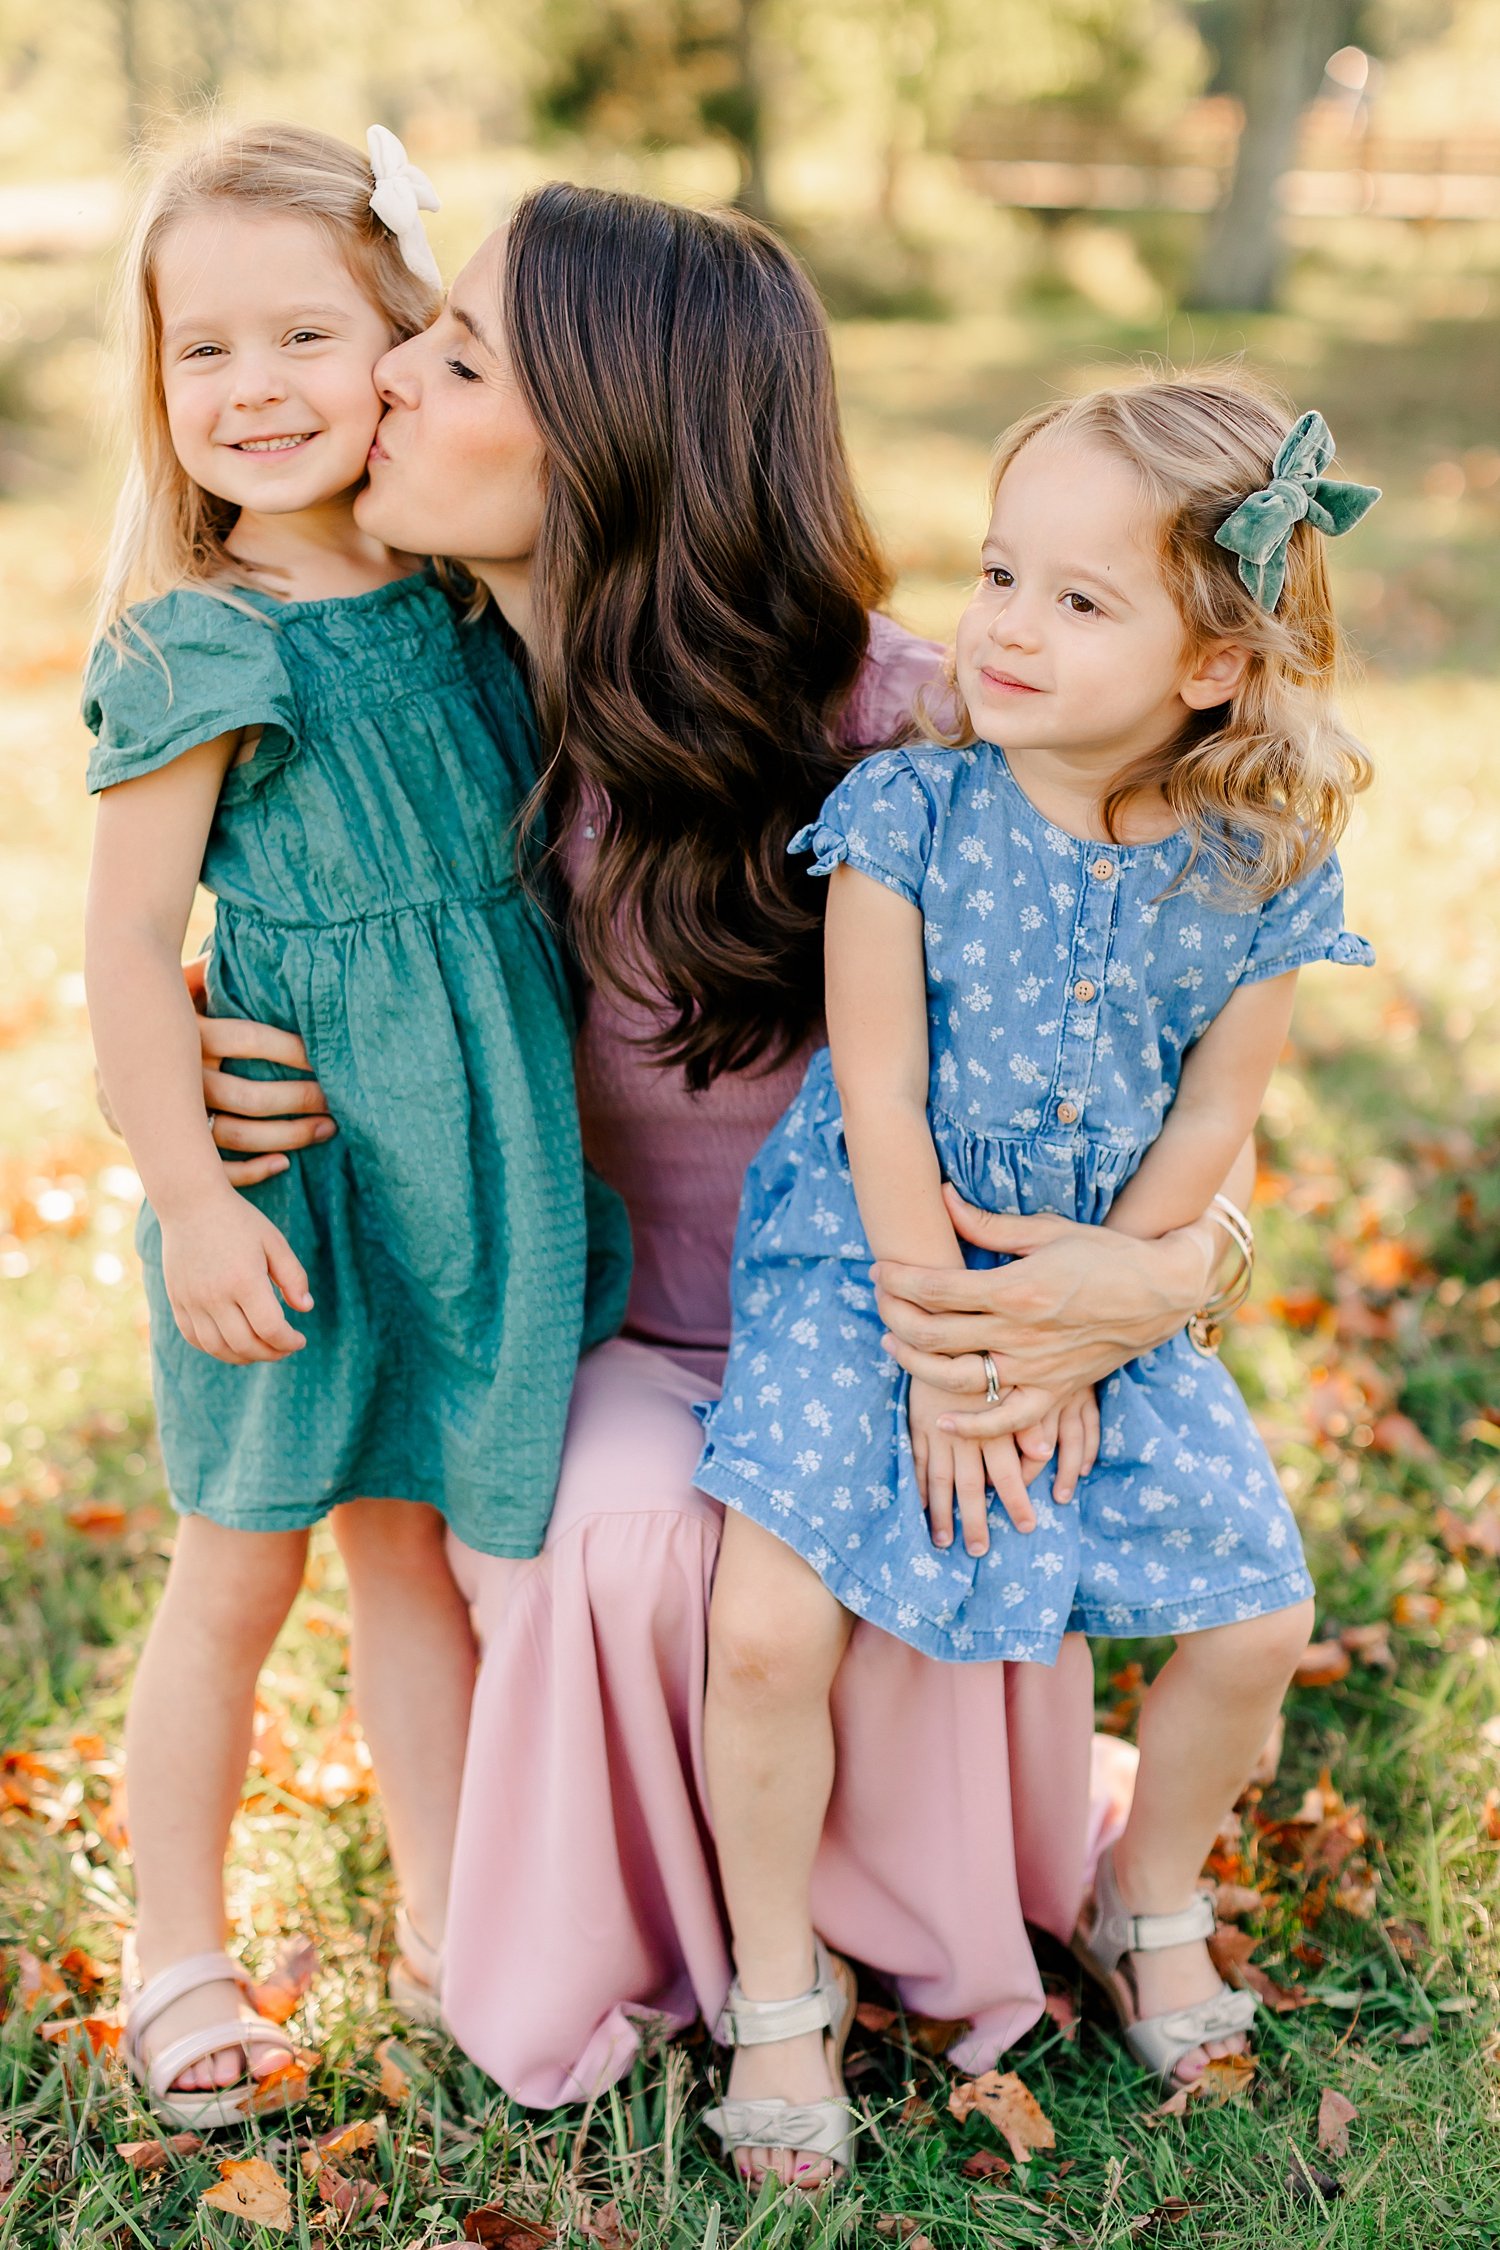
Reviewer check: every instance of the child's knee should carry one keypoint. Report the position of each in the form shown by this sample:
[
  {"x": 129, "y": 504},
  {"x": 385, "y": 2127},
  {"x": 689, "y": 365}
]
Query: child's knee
[
  {"x": 768, "y": 1653},
  {"x": 234, "y": 1588},
  {"x": 392, "y": 1537},
  {"x": 1259, "y": 1652}
]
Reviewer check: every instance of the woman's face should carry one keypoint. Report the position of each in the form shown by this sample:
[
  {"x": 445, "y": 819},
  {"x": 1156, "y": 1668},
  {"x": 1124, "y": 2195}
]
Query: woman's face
[{"x": 456, "y": 466}]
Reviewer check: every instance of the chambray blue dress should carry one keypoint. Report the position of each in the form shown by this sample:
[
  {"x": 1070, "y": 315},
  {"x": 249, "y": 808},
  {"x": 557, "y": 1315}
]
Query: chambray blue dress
[
  {"x": 1063, "y": 990},
  {"x": 363, "y": 862}
]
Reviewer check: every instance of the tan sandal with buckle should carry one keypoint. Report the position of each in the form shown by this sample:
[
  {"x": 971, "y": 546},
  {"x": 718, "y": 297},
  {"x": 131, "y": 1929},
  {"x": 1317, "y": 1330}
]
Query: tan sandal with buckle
[
  {"x": 826, "y": 2128},
  {"x": 415, "y": 1978},
  {"x": 208, "y": 2109},
  {"x": 1104, "y": 1940}
]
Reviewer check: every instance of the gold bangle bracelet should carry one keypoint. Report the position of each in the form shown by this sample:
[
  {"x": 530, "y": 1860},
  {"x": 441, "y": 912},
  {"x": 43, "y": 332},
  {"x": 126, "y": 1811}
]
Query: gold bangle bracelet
[{"x": 1206, "y": 1328}]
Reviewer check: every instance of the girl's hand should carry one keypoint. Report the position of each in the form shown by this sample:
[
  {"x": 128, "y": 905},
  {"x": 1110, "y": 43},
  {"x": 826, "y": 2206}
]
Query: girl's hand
[
  {"x": 948, "y": 1465},
  {"x": 1069, "y": 1430},
  {"x": 220, "y": 1259}
]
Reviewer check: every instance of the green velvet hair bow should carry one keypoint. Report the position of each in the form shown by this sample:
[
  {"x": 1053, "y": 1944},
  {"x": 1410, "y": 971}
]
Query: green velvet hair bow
[{"x": 1260, "y": 529}]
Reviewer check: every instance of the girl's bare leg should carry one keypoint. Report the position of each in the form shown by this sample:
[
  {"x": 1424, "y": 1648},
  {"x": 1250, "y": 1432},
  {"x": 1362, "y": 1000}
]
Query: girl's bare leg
[
  {"x": 776, "y": 1639},
  {"x": 187, "y": 1744},
  {"x": 1203, "y": 1722},
  {"x": 412, "y": 1660}
]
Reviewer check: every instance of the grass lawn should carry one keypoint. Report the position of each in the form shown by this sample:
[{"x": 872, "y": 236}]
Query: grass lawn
[{"x": 1369, "y": 1351}]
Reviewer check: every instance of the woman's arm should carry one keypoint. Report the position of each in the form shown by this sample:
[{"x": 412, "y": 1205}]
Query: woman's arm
[
  {"x": 1076, "y": 1304},
  {"x": 217, "y": 1249}
]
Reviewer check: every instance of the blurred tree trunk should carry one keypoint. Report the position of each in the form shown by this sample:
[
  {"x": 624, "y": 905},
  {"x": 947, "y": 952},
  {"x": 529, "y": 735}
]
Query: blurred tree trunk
[
  {"x": 1283, "y": 47},
  {"x": 746, "y": 112},
  {"x": 127, "y": 17}
]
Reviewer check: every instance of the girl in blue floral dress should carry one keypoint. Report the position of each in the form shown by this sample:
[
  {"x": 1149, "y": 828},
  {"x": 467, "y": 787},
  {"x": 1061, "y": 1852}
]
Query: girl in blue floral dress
[{"x": 1061, "y": 958}]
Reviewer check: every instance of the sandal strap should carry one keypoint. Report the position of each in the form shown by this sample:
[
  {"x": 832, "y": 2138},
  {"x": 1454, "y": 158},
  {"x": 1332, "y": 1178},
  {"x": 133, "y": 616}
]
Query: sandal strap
[
  {"x": 761, "y": 2023},
  {"x": 1113, "y": 1932},
  {"x": 241, "y": 2032},
  {"x": 171, "y": 1985},
  {"x": 1160, "y": 2042},
  {"x": 1152, "y": 1933},
  {"x": 811, "y": 2128},
  {"x": 423, "y": 1956}
]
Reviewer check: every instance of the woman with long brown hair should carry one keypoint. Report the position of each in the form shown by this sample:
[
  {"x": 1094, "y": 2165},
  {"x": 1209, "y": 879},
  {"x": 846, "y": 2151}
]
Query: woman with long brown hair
[{"x": 624, "y": 425}]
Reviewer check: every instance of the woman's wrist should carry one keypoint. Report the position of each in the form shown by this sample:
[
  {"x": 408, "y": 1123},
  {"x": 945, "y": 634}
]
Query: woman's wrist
[{"x": 1187, "y": 1262}]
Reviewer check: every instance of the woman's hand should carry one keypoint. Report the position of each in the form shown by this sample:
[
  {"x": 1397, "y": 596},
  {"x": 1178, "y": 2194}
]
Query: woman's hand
[
  {"x": 264, "y": 1117},
  {"x": 1076, "y": 1304}
]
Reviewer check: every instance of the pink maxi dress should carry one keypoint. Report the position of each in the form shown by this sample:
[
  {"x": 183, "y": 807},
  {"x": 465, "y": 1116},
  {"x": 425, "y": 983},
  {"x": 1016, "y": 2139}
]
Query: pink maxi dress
[{"x": 585, "y": 1906}]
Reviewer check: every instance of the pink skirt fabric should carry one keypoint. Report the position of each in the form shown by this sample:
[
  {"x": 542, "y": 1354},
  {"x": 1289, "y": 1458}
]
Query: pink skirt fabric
[{"x": 585, "y": 1903}]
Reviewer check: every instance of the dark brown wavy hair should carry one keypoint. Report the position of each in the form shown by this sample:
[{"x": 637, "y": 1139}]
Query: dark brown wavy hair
[{"x": 701, "y": 589}]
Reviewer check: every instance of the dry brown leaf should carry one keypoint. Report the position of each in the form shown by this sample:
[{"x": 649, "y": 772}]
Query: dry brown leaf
[
  {"x": 1416, "y": 1609},
  {"x": 1175, "y": 2105},
  {"x": 1011, "y": 2108},
  {"x": 290, "y": 1974},
  {"x": 82, "y": 1970},
  {"x": 397, "y": 2075},
  {"x": 1063, "y": 2011},
  {"x": 1398, "y": 1435},
  {"x": 917, "y": 2115},
  {"x": 248, "y": 2189},
  {"x": 12, "y": 2157},
  {"x": 344, "y": 2140},
  {"x": 351, "y": 2199},
  {"x": 154, "y": 2156},
  {"x": 1322, "y": 1664},
  {"x": 1417, "y": 2036},
  {"x": 1167, "y": 2214},
  {"x": 35, "y": 1979},
  {"x": 1371, "y": 1644},
  {"x": 903, "y": 2230},
  {"x": 1336, "y": 2113},
  {"x": 496, "y": 2229},
  {"x": 985, "y": 2164},
  {"x": 934, "y": 2035},
  {"x": 607, "y": 2228},
  {"x": 1356, "y": 1893},
  {"x": 877, "y": 2021}
]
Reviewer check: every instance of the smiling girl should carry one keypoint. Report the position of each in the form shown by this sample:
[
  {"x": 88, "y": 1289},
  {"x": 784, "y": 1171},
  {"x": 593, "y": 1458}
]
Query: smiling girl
[
  {"x": 1061, "y": 962},
  {"x": 387, "y": 1333}
]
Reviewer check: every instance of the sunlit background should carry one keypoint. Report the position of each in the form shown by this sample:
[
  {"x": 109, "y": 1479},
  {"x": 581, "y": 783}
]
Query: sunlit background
[{"x": 999, "y": 199}]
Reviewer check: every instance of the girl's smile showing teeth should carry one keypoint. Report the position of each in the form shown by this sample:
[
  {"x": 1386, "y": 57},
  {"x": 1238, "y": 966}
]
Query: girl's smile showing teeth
[{"x": 272, "y": 444}]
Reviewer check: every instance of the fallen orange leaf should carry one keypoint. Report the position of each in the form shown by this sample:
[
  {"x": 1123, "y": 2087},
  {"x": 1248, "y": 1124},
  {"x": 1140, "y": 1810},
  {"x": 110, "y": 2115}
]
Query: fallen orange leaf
[
  {"x": 102, "y": 2034},
  {"x": 1322, "y": 1664},
  {"x": 495, "y": 2229},
  {"x": 1416, "y": 1609},
  {"x": 1010, "y": 2107},
  {"x": 1335, "y": 2115},
  {"x": 97, "y": 1519},
  {"x": 1490, "y": 1815},
  {"x": 352, "y": 2199},
  {"x": 1398, "y": 1435},
  {"x": 36, "y": 1979},
  {"x": 291, "y": 1973},
  {"x": 286, "y": 2084},
  {"x": 248, "y": 2189},
  {"x": 1224, "y": 2078},
  {"x": 344, "y": 2140}
]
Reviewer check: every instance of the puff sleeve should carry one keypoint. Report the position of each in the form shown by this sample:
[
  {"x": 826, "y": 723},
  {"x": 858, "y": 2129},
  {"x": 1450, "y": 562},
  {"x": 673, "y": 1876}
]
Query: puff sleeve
[
  {"x": 881, "y": 820},
  {"x": 193, "y": 669},
  {"x": 1303, "y": 923}
]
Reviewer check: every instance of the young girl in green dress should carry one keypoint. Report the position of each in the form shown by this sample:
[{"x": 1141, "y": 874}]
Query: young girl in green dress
[{"x": 386, "y": 1332}]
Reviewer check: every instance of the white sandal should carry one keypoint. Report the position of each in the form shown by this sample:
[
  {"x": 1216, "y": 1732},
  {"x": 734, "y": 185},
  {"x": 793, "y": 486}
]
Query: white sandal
[
  {"x": 825, "y": 2128},
  {"x": 1103, "y": 1942},
  {"x": 415, "y": 1978},
  {"x": 203, "y": 2109}
]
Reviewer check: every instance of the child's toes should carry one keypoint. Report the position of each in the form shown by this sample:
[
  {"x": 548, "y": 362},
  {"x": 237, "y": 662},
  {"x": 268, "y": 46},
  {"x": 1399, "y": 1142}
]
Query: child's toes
[{"x": 1190, "y": 2067}]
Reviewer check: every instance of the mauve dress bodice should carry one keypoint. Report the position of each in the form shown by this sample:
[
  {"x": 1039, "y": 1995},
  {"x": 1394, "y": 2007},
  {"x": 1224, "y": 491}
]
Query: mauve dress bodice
[{"x": 678, "y": 1158}]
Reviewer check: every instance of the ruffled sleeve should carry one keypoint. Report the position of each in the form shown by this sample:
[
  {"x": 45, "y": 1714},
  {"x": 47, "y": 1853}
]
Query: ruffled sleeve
[
  {"x": 1303, "y": 923},
  {"x": 880, "y": 819},
  {"x": 202, "y": 669}
]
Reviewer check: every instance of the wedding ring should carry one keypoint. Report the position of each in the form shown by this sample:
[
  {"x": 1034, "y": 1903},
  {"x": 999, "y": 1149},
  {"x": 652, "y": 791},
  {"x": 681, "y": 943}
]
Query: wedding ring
[{"x": 991, "y": 1381}]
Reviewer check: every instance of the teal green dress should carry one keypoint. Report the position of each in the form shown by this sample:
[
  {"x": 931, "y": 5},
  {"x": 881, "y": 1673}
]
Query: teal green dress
[{"x": 363, "y": 863}]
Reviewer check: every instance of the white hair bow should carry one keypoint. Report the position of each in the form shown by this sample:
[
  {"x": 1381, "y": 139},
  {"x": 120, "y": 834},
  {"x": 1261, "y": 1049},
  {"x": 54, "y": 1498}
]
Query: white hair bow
[{"x": 401, "y": 193}]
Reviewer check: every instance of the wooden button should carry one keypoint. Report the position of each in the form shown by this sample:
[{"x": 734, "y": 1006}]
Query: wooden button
[
  {"x": 1067, "y": 1114},
  {"x": 1103, "y": 870},
  {"x": 1084, "y": 990}
]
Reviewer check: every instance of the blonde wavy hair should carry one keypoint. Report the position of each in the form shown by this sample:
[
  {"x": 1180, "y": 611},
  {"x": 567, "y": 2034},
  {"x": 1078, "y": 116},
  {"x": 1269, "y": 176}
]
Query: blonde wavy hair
[
  {"x": 1264, "y": 783},
  {"x": 168, "y": 531}
]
